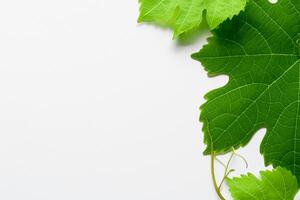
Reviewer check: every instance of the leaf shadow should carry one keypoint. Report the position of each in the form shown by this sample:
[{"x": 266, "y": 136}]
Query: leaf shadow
[
  {"x": 185, "y": 39},
  {"x": 191, "y": 37}
]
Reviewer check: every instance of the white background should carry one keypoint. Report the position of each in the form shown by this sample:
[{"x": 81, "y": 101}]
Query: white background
[{"x": 94, "y": 106}]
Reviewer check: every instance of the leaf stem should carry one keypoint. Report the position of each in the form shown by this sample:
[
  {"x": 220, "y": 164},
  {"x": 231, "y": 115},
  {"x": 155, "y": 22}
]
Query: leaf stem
[
  {"x": 213, "y": 175},
  {"x": 212, "y": 169}
]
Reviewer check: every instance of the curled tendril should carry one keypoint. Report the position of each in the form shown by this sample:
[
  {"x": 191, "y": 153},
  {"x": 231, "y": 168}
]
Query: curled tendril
[{"x": 227, "y": 169}]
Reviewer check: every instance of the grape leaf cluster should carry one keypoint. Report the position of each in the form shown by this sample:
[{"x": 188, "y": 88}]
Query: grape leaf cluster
[{"x": 258, "y": 49}]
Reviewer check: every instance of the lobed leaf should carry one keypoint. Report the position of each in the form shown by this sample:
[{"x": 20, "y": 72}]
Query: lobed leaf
[
  {"x": 259, "y": 51},
  {"x": 278, "y": 184},
  {"x": 184, "y": 15}
]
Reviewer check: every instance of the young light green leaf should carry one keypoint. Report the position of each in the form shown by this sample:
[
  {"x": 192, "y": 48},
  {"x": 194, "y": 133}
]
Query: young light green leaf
[
  {"x": 278, "y": 184},
  {"x": 259, "y": 51},
  {"x": 184, "y": 15}
]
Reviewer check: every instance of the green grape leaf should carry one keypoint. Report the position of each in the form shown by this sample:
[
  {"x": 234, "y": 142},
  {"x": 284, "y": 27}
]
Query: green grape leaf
[
  {"x": 184, "y": 15},
  {"x": 259, "y": 51},
  {"x": 278, "y": 184}
]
